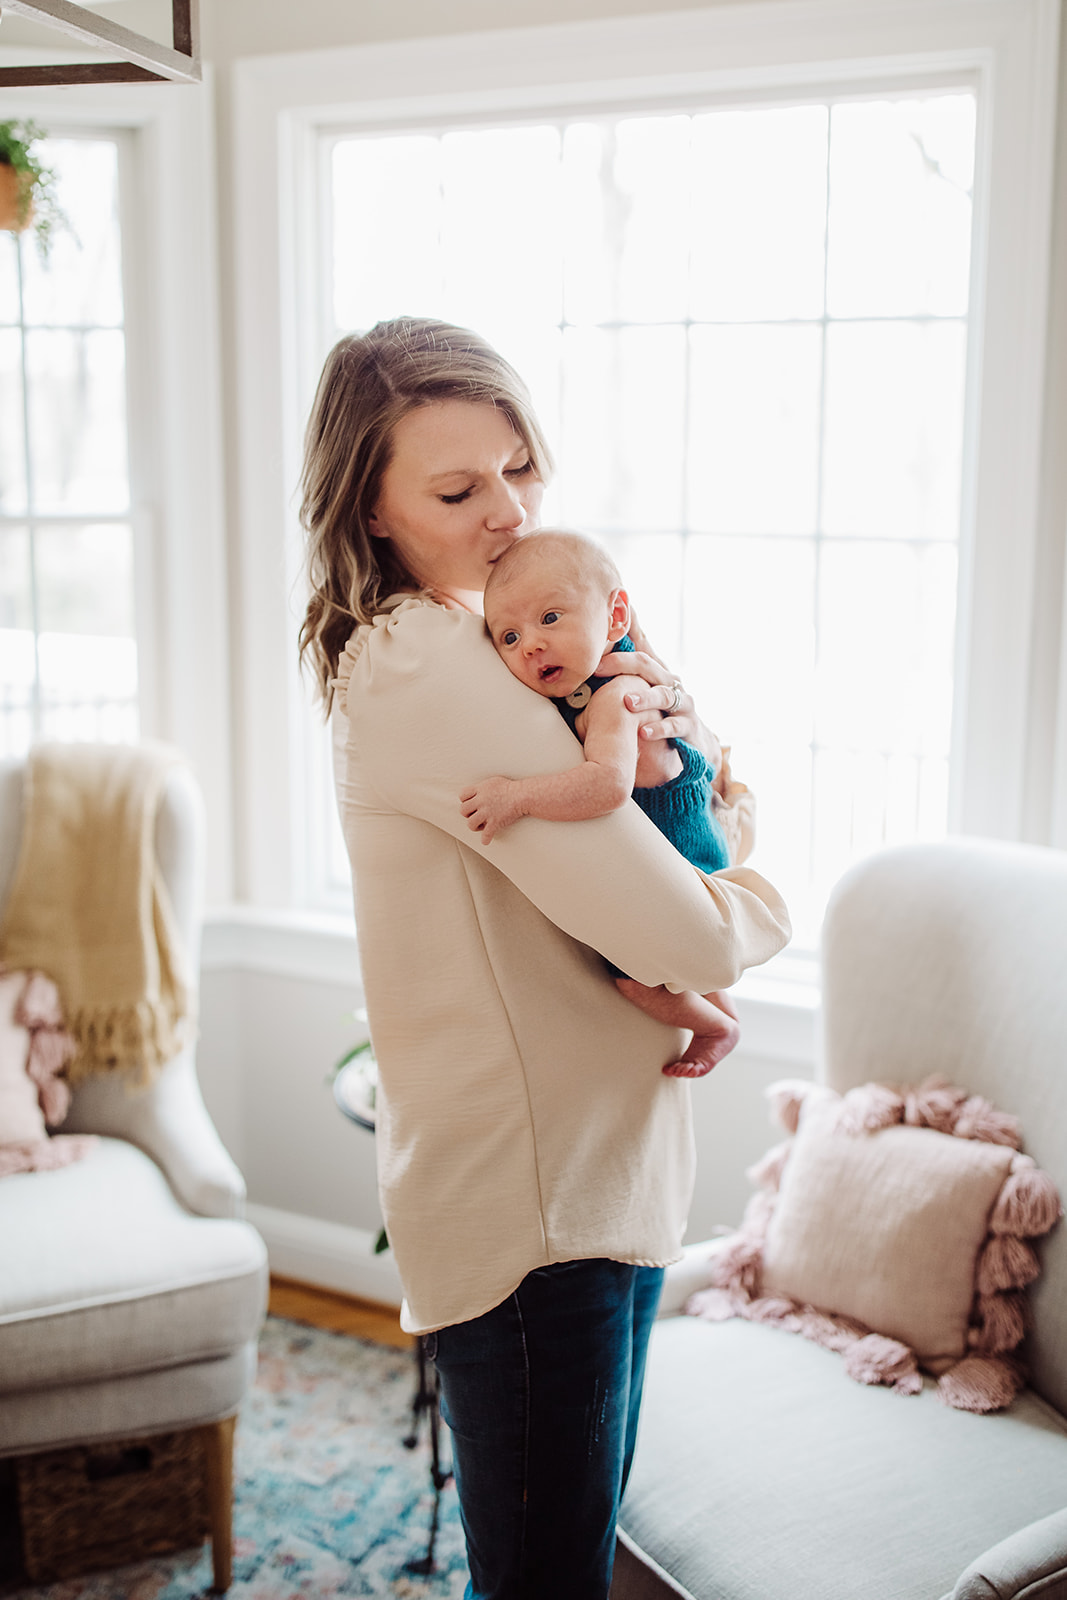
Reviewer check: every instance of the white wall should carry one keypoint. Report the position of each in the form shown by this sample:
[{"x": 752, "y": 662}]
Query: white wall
[{"x": 236, "y": 28}]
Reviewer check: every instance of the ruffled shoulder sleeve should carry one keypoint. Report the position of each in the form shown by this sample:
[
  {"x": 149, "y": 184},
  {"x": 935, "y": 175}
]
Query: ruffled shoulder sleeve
[{"x": 387, "y": 618}]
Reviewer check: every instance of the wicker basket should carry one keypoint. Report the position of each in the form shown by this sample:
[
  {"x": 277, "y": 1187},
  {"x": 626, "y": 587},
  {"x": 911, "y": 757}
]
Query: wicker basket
[{"x": 108, "y": 1504}]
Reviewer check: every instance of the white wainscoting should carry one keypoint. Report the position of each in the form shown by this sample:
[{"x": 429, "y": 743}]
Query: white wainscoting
[{"x": 327, "y": 1254}]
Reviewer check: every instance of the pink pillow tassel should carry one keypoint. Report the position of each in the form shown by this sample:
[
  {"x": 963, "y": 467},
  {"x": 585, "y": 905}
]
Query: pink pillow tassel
[
  {"x": 981, "y": 1383},
  {"x": 869, "y": 1107},
  {"x": 978, "y": 1119},
  {"x": 877, "y": 1359},
  {"x": 1006, "y": 1262},
  {"x": 1028, "y": 1203},
  {"x": 1000, "y": 1322}
]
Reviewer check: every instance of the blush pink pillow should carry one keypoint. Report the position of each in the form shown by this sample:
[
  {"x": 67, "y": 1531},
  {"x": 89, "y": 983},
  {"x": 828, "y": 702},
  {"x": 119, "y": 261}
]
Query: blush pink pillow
[
  {"x": 34, "y": 1050},
  {"x": 893, "y": 1227},
  {"x": 21, "y": 1118}
]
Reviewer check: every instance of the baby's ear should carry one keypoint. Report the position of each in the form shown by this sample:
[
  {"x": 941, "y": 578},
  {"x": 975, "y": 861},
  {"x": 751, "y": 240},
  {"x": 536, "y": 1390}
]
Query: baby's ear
[{"x": 619, "y": 604}]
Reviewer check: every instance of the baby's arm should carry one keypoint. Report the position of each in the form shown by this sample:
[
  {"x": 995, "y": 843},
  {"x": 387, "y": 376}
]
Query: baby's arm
[{"x": 602, "y": 783}]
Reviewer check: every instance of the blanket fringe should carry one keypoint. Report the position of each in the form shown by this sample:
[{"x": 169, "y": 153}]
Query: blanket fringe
[{"x": 135, "y": 1039}]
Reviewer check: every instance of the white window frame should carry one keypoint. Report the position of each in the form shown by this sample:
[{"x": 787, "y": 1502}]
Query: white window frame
[
  {"x": 1008, "y": 48},
  {"x": 174, "y": 418}
]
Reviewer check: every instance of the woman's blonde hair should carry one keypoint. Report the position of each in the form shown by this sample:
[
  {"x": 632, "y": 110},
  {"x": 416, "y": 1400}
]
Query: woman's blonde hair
[{"x": 368, "y": 383}]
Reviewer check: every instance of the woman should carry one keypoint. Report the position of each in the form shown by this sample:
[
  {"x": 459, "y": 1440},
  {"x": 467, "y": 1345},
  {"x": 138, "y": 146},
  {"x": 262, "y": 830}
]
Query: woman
[{"x": 535, "y": 1165}]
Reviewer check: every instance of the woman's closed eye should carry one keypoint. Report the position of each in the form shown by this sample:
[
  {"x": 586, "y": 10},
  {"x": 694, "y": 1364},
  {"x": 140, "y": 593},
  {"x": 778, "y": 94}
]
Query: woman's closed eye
[{"x": 464, "y": 494}]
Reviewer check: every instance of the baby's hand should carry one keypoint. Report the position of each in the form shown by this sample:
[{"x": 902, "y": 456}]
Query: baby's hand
[{"x": 491, "y": 806}]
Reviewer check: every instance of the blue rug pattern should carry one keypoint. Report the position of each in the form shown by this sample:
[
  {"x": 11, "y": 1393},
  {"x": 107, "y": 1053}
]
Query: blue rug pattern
[{"x": 328, "y": 1502}]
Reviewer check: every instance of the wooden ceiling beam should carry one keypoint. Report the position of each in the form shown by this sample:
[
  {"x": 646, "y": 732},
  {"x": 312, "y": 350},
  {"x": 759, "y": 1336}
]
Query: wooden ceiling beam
[{"x": 141, "y": 59}]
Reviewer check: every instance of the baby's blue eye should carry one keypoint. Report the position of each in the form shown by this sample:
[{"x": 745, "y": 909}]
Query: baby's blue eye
[
  {"x": 510, "y": 637},
  {"x": 549, "y": 618}
]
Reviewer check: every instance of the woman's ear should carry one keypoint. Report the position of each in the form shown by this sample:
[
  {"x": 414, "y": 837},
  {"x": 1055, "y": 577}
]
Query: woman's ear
[
  {"x": 374, "y": 528},
  {"x": 619, "y": 604}
]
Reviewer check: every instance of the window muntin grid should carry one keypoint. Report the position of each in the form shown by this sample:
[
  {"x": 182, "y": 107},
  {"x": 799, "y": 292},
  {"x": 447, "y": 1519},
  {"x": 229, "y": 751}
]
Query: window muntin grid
[
  {"x": 746, "y": 331},
  {"x": 68, "y": 652}
]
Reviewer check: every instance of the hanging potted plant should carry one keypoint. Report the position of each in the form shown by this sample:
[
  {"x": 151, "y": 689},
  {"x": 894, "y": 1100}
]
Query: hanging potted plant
[{"x": 27, "y": 186}]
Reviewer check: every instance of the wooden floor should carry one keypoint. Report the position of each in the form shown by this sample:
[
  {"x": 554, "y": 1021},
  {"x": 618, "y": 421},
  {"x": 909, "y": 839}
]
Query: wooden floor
[{"x": 339, "y": 1313}]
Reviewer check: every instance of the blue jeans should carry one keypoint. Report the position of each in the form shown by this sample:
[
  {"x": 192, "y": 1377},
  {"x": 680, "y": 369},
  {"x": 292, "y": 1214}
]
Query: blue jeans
[{"x": 542, "y": 1395}]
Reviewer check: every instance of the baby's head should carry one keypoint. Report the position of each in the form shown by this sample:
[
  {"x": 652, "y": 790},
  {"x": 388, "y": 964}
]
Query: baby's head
[{"x": 554, "y": 604}]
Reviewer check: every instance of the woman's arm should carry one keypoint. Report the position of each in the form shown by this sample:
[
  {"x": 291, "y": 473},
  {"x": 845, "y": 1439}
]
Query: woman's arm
[{"x": 432, "y": 708}]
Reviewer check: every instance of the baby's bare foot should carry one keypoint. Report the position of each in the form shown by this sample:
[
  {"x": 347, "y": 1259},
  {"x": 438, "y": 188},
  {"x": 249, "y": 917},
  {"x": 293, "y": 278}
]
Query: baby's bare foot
[{"x": 705, "y": 1051}]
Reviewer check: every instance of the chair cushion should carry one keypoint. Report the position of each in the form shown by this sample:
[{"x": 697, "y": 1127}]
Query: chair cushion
[
  {"x": 760, "y": 1475},
  {"x": 103, "y": 1273}
]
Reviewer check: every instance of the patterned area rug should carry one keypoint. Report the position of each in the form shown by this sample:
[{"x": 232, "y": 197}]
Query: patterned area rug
[{"x": 328, "y": 1500}]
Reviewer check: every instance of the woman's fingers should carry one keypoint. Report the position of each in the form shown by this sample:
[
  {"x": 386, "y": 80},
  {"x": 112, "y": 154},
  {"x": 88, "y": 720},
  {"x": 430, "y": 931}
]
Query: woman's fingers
[{"x": 635, "y": 663}]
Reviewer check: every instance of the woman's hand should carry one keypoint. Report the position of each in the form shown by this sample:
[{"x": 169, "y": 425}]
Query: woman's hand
[{"x": 671, "y": 712}]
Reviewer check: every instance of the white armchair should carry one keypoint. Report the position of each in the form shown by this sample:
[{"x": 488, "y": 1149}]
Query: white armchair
[
  {"x": 131, "y": 1293},
  {"x": 763, "y": 1472}
]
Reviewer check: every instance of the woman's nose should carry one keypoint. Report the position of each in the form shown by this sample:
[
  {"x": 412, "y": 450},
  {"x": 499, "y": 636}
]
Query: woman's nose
[{"x": 507, "y": 511}]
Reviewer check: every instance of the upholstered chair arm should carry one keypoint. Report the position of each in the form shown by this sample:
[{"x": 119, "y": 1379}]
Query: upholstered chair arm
[
  {"x": 685, "y": 1277},
  {"x": 1032, "y": 1561},
  {"x": 169, "y": 1122}
]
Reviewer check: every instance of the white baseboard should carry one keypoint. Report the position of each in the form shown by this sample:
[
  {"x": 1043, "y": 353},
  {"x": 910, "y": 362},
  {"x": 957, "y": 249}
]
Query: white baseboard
[{"x": 326, "y": 1254}]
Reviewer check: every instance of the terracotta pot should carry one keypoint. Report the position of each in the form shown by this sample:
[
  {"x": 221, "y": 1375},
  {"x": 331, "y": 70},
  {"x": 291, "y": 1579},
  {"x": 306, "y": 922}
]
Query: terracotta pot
[{"x": 11, "y": 187}]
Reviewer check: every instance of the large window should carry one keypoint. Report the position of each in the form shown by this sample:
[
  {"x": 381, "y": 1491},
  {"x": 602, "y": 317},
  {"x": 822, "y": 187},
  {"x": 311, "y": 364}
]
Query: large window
[
  {"x": 68, "y": 652},
  {"x": 746, "y": 330}
]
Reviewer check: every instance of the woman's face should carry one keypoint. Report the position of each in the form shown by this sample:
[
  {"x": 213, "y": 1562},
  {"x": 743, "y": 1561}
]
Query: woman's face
[{"x": 459, "y": 490}]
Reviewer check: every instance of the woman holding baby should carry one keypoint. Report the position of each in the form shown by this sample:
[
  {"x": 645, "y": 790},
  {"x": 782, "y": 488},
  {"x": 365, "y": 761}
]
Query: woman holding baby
[{"x": 535, "y": 1161}]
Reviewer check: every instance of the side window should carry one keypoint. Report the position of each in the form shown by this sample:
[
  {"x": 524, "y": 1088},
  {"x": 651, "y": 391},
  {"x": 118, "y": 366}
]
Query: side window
[{"x": 68, "y": 644}]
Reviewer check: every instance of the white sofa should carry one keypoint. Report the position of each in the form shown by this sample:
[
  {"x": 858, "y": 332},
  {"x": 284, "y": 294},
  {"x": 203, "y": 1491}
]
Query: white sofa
[
  {"x": 131, "y": 1292},
  {"x": 762, "y": 1471}
]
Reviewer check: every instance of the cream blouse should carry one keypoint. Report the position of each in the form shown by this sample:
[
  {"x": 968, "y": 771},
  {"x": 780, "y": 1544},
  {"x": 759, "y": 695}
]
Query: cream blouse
[{"x": 523, "y": 1118}]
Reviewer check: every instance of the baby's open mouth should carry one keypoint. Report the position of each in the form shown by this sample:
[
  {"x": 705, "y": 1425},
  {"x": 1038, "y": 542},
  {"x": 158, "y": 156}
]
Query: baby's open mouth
[{"x": 549, "y": 674}]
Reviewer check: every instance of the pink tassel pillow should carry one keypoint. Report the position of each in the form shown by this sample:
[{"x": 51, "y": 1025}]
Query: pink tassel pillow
[
  {"x": 893, "y": 1226},
  {"x": 34, "y": 1050}
]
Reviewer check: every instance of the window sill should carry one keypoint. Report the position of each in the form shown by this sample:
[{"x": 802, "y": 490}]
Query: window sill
[{"x": 778, "y": 1003}]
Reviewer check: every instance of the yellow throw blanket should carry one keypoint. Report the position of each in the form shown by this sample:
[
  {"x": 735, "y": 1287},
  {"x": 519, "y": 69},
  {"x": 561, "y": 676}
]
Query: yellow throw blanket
[{"x": 89, "y": 906}]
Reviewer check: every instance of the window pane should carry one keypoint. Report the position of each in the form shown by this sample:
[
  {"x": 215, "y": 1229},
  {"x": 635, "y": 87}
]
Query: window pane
[
  {"x": 88, "y": 686},
  {"x": 894, "y": 429},
  {"x": 652, "y": 567},
  {"x": 68, "y": 655},
  {"x": 12, "y": 439},
  {"x": 623, "y": 429},
  {"x": 85, "y": 580},
  {"x": 749, "y": 645},
  {"x": 754, "y": 429},
  {"x": 900, "y": 207},
  {"x": 77, "y": 407},
  {"x": 82, "y": 281},
  {"x": 16, "y": 580},
  {"x": 626, "y": 199},
  {"x": 501, "y": 263},
  {"x": 18, "y": 662},
  {"x": 759, "y": 214},
  {"x": 648, "y": 206},
  {"x": 886, "y": 625},
  {"x": 385, "y": 188},
  {"x": 9, "y": 279}
]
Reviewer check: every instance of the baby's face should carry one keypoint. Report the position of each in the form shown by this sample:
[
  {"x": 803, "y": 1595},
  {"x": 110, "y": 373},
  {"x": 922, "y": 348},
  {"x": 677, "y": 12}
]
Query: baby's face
[{"x": 550, "y": 629}]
